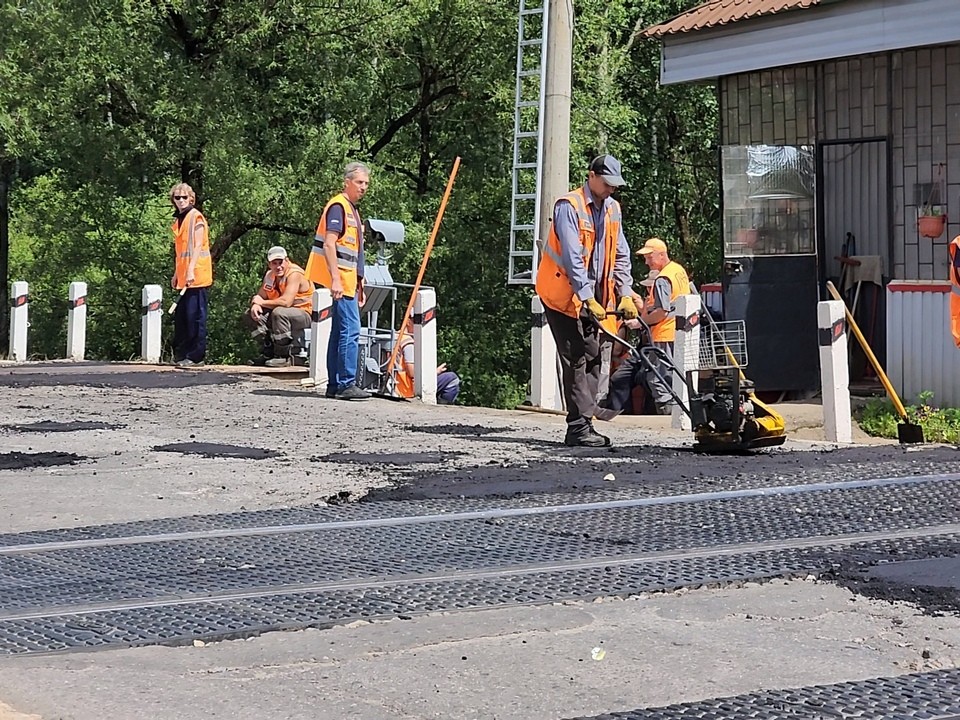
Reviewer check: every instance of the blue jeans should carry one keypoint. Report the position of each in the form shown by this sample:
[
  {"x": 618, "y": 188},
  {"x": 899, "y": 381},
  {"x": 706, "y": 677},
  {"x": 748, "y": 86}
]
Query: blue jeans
[
  {"x": 190, "y": 326},
  {"x": 344, "y": 349}
]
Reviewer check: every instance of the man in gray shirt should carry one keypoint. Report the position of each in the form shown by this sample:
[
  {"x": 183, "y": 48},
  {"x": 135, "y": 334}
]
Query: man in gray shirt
[{"x": 585, "y": 267}]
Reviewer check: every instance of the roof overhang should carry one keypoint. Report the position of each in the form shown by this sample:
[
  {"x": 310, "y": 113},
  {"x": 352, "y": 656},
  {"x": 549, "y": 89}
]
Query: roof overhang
[{"x": 824, "y": 32}]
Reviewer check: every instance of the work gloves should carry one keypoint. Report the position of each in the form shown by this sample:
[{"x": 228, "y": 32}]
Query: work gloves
[
  {"x": 628, "y": 308},
  {"x": 596, "y": 309}
]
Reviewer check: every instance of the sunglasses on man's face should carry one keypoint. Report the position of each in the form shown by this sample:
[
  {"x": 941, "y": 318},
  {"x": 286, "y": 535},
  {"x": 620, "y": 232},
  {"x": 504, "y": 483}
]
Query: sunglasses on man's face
[{"x": 181, "y": 197}]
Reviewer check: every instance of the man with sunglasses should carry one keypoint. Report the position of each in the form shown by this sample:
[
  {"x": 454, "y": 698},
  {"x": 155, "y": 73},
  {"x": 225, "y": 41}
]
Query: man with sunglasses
[
  {"x": 193, "y": 276},
  {"x": 584, "y": 268}
]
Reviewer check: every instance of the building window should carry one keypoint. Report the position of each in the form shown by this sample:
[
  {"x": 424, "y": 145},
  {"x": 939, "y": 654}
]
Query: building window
[{"x": 768, "y": 200}]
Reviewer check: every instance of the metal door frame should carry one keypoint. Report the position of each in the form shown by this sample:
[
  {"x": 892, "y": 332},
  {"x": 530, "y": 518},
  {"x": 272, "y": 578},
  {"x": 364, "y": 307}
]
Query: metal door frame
[{"x": 820, "y": 203}]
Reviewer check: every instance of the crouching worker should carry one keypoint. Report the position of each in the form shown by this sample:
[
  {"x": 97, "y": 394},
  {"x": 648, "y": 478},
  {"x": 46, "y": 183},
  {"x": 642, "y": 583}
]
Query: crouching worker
[
  {"x": 280, "y": 311},
  {"x": 448, "y": 382}
]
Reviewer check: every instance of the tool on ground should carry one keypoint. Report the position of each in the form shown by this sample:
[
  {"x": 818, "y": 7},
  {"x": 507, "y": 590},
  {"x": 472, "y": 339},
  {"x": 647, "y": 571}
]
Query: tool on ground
[
  {"x": 391, "y": 363},
  {"x": 176, "y": 300},
  {"x": 725, "y": 414},
  {"x": 907, "y": 432}
]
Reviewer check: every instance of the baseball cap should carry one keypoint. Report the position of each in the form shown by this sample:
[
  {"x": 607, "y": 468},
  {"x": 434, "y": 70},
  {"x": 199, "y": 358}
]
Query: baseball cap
[
  {"x": 651, "y": 246},
  {"x": 651, "y": 278},
  {"x": 276, "y": 253},
  {"x": 609, "y": 168}
]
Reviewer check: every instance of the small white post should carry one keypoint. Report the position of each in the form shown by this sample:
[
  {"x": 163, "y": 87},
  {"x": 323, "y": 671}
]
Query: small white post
[
  {"x": 321, "y": 321},
  {"x": 19, "y": 320},
  {"x": 686, "y": 355},
  {"x": 425, "y": 345},
  {"x": 544, "y": 379},
  {"x": 834, "y": 371},
  {"x": 77, "y": 321},
  {"x": 151, "y": 301}
]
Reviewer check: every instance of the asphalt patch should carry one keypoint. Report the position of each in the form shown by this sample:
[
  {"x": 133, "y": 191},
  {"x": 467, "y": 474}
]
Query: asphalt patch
[
  {"x": 398, "y": 459},
  {"x": 143, "y": 380},
  {"x": 639, "y": 467},
  {"x": 22, "y": 461},
  {"x": 931, "y": 584},
  {"x": 50, "y": 426},
  {"x": 215, "y": 450},
  {"x": 458, "y": 430}
]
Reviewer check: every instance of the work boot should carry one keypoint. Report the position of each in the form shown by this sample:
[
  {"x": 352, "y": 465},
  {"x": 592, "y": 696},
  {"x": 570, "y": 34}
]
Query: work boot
[
  {"x": 585, "y": 437},
  {"x": 352, "y": 392},
  {"x": 665, "y": 409},
  {"x": 187, "y": 363},
  {"x": 278, "y": 362}
]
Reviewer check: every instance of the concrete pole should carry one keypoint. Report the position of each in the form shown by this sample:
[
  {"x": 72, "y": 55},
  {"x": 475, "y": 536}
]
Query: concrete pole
[
  {"x": 544, "y": 380},
  {"x": 686, "y": 355},
  {"x": 150, "y": 325},
  {"x": 834, "y": 371},
  {"x": 425, "y": 346},
  {"x": 77, "y": 321},
  {"x": 19, "y": 320},
  {"x": 555, "y": 158},
  {"x": 321, "y": 322}
]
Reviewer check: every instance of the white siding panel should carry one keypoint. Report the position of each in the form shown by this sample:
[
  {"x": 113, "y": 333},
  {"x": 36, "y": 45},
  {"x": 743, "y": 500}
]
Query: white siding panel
[
  {"x": 921, "y": 354},
  {"x": 855, "y": 27}
]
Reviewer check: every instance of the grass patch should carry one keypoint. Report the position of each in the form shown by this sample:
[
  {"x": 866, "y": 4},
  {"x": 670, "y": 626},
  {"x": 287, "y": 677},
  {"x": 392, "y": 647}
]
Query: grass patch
[{"x": 878, "y": 418}]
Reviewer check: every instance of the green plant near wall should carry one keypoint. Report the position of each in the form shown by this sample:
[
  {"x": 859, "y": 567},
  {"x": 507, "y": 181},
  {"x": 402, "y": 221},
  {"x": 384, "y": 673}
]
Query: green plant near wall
[{"x": 878, "y": 418}]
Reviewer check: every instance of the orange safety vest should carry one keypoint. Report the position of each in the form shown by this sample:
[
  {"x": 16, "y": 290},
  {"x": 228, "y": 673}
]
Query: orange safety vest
[
  {"x": 666, "y": 329},
  {"x": 274, "y": 287},
  {"x": 954, "y": 251},
  {"x": 404, "y": 381},
  {"x": 184, "y": 240},
  {"x": 553, "y": 285},
  {"x": 348, "y": 249}
]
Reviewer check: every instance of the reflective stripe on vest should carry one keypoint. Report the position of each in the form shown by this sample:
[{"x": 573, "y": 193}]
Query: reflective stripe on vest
[
  {"x": 274, "y": 287},
  {"x": 553, "y": 285},
  {"x": 666, "y": 329},
  {"x": 185, "y": 240},
  {"x": 349, "y": 246}
]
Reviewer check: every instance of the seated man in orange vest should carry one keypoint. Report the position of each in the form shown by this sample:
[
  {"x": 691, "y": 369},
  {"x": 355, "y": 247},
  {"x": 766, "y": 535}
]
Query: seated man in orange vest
[
  {"x": 658, "y": 313},
  {"x": 281, "y": 308},
  {"x": 448, "y": 382}
]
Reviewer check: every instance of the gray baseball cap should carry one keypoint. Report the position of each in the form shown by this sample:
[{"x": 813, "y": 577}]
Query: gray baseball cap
[
  {"x": 276, "y": 253},
  {"x": 609, "y": 168}
]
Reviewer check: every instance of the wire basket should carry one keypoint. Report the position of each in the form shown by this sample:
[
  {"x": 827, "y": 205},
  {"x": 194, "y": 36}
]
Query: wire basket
[{"x": 723, "y": 345}]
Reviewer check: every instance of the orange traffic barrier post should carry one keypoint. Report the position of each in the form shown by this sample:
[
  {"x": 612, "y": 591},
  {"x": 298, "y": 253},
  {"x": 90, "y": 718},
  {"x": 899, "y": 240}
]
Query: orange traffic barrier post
[{"x": 423, "y": 264}]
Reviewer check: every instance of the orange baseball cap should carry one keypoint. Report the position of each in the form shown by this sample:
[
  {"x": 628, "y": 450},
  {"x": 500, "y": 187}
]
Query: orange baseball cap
[{"x": 652, "y": 245}]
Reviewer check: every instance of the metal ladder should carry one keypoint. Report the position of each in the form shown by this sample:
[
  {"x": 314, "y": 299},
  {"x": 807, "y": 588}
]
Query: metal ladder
[{"x": 528, "y": 142}]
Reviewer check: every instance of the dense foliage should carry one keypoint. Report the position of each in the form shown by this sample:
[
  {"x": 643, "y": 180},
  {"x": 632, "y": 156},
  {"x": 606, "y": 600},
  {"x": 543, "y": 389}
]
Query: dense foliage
[
  {"x": 258, "y": 103},
  {"x": 879, "y": 418}
]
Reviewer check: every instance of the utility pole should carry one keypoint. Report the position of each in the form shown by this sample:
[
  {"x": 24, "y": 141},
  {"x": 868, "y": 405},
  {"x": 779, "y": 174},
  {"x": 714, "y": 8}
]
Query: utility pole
[{"x": 555, "y": 173}]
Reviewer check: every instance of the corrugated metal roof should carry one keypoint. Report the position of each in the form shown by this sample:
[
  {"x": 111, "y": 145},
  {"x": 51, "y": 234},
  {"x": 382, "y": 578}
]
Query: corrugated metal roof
[{"x": 721, "y": 12}]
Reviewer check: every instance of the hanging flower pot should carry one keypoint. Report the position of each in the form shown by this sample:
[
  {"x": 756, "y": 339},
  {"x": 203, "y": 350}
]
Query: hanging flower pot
[{"x": 931, "y": 226}]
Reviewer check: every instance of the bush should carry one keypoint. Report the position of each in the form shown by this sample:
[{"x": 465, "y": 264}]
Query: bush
[{"x": 880, "y": 419}]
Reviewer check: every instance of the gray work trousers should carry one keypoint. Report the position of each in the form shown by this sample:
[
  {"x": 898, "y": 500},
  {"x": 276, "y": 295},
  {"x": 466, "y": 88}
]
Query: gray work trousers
[
  {"x": 281, "y": 323},
  {"x": 581, "y": 359},
  {"x": 661, "y": 394}
]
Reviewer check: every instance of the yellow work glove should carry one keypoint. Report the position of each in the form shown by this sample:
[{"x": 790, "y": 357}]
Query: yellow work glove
[
  {"x": 628, "y": 307},
  {"x": 595, "y": 309}
]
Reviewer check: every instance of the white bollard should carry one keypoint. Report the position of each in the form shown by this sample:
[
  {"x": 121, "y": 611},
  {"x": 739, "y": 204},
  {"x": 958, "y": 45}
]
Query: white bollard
[
  {"x": 545, "y": 389},
  {"x": 425, "y": 345},
  {"x": 77, "y": 321},
  {"x": 686, "y": 355},
  {"x": 151, "y": 301},
  {"x": 19, "y": 320},
  {"x": 321, "y": 321},
  {"x": 834, "y": 371}
]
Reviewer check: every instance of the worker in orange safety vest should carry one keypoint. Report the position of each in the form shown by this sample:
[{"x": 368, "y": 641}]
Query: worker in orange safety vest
[
  {"x": 658, "y": 313},
  {"x": 281, "y": 309},
  {"x": 193, "y": 276},
  {"x": 585, "y": 266},
  {"x": 954, "y": 250}
]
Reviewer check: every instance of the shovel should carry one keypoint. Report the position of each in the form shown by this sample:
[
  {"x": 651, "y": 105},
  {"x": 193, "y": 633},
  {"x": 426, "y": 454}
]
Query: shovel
[{"x": 907, "y": 432}]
